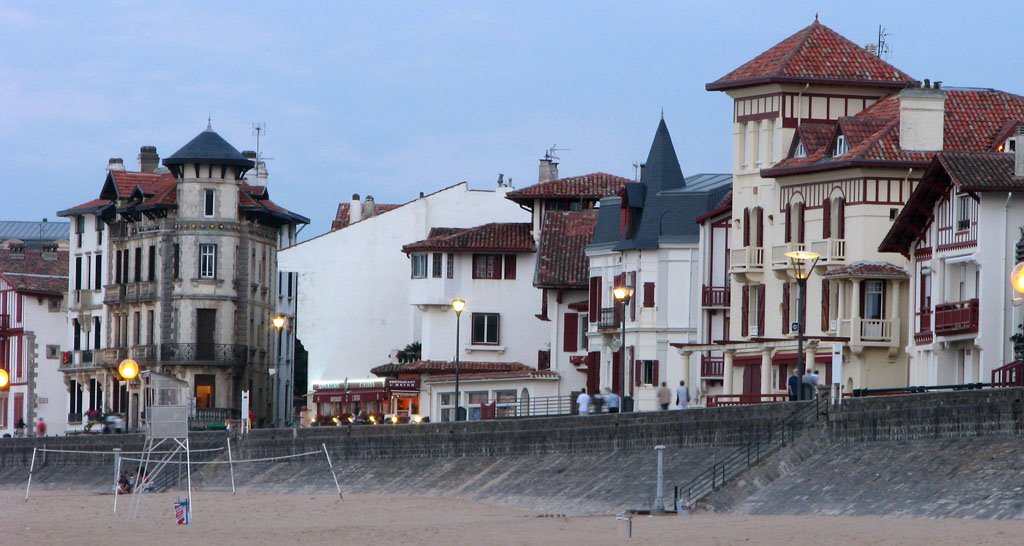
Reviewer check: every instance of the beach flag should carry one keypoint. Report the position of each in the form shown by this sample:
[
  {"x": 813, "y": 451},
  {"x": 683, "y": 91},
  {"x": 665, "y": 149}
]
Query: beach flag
[{"x": 182, "y": 512}]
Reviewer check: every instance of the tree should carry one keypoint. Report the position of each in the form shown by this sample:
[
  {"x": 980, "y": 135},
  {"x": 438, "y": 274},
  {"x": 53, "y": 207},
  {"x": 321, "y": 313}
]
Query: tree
[{"x": 411, "y": 353}]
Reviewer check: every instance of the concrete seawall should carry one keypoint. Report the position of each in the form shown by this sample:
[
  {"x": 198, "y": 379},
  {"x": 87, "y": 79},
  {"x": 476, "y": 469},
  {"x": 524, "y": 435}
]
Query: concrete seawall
[{"x": 589, "y": 464}]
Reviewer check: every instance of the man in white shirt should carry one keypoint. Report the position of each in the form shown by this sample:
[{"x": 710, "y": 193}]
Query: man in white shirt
[
  {"x": 583, "y": 402},
  {"x": 682, "y": 396}
]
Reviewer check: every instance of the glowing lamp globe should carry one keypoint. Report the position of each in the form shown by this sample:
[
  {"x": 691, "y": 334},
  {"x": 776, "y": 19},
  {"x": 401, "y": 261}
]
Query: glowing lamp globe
[
  {"x": 5, "y": 379},
  {"x": 1017, "y": 278},
  {"x": 278, "y": 322},
  {"x": 128, "y": 368},
  {"x": 458, "y": 305}
]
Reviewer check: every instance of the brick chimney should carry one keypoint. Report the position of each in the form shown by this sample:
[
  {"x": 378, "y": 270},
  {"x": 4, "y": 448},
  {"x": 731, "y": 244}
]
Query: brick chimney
[
  {"x": 115, "y": 164},
  {"x": 355, "y": 210},
  {"x": 548, "y": 170},
  {"x": 922, "y": 117},
  {"x": 148, "y": 159}
]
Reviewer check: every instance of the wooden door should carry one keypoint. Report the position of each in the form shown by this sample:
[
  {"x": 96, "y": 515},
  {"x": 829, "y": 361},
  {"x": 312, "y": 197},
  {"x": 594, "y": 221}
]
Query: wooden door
[
  {"x": 206, "y": 324},
  {"x": 752, "y": 379}
]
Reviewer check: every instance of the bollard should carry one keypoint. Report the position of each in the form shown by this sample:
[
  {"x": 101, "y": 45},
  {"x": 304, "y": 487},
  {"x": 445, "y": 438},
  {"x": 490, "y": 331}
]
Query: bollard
[
  {"x": 659, "y": 495},
  {"x": 624, "y": 523}
]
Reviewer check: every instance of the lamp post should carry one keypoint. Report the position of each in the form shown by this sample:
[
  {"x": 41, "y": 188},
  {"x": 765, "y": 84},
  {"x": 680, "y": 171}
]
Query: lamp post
[
  {"x": 457, "y": 305},
  {"x": 129, "y": 370},
  {"x": 799, "y": 261},
  {"x": 279, "y": 323},
  {"x": 623, "y": 294}
]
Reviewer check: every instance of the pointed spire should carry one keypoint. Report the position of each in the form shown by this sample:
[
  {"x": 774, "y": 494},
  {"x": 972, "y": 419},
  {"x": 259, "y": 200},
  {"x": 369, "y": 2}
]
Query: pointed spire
[
  {"x": 662, "y": 170},
  {"x": 815, "y": 17},
  {"x": 209, "y": 122}
]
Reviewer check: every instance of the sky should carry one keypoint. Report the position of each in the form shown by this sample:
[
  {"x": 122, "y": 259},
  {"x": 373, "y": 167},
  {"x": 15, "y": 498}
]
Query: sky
[{"x": 390, "y": 99}]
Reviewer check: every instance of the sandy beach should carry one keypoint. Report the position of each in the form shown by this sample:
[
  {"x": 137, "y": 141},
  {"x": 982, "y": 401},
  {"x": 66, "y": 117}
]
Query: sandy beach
[{"x": 64, "y": 517}]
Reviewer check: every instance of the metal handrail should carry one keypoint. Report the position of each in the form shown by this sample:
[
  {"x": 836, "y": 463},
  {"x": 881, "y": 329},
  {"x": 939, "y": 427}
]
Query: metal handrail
[{"x": 744, "y": 457}]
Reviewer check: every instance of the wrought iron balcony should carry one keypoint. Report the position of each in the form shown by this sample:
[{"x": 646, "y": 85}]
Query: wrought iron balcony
[
  {"x": 208, "y": 354},
  {"x": 610, "y": 318}
]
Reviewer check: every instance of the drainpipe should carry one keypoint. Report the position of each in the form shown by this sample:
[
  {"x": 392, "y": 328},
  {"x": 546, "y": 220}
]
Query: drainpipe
[
  {"x": 1006, "y": 267},
  {"x": 800, "y": 105}
]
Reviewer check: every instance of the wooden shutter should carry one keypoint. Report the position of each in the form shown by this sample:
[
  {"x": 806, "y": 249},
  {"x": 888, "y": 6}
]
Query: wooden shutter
[
  {"x": 841, "y": 221},
  {"x": 595, "y": 299},
  {"x": 593, "y": 371},
  {"x": 785, "y": 308},
  {"x": 760, "y": 227},
  {"x": 510, "y": 266},
  {"x": 637, "y": 380},
  {"x": 825, "y": 294},
  {"x": 826, "y": 219},
  {"x": 570, "y": 339},
  {"x": 745, "y": 311},
  {"x": 648, "y": 294},
  {"x": 543, "y": 360},
  {"x": 746, "y": 227},
  {"x": 800, "y": 223},
  {"x": 789, "y": 222},
  {"x": 760, "y": 310},
  {"x": 655, "y": 365},
  {"x": 495, "y": 266}
]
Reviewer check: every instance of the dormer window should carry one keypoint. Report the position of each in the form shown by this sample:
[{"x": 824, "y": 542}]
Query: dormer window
[
  {"x": 840, "y": 146},
  {"x": 800, "y": 150},
  {"x": 1010, "y": 146}
]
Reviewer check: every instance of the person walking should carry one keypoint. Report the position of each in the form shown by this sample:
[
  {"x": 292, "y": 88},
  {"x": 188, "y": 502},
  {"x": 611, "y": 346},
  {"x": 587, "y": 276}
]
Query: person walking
[
  {"x": 811, "y": 384},
  {"x": 19, "y": 428},
  {"x": 583, "y": 402},
  {"x": 664, "y": 396},
  {"x": 612, "y": 400},
  {"x": 793, "y": 386},
  {"x": 40, "y": 427},
  {"x": 682, "y": 396}
]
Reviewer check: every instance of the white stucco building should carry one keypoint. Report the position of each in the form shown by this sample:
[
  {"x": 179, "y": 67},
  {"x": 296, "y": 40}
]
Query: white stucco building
[{"x": 356, "y": 307}]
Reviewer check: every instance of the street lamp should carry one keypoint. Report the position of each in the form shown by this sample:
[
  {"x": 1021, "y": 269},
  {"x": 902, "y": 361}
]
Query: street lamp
[
  {"x": 279, "y": 322},
  {"x": 5, "y": 379},
  {"x": 799, "y": 261},
  {"x": 129, "y": 370},
  {"x": 623, "y": 294},
  {"x": 457, "y": 305}
]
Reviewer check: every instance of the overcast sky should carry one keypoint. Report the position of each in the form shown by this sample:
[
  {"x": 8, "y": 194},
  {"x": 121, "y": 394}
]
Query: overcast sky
[{"x": 394, "y": 98}]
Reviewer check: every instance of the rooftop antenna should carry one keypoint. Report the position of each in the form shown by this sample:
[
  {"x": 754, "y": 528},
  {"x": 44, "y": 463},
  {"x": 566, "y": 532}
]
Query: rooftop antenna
[
  {"x": 636, "y": 172},
  {"x": 882, "y": 49},
  {"x": 550, "y": 153},
  {"x": 258, "y": 128}
]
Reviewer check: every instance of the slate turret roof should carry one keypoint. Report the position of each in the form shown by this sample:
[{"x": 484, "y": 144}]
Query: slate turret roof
[{"x": 209, "y": 148}]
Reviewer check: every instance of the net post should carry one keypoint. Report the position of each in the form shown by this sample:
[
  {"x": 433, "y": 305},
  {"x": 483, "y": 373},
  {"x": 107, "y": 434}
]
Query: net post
[
  {"x": 331, "y": 465},
  {"x": 31, "y": 469},
  {"x": 231, "y": 466}
]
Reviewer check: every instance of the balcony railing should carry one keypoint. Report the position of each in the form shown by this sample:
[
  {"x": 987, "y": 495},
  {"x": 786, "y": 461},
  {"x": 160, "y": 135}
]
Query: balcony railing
[
  {"x": 85, "y": 299},
  {"x": 712, "y": 366},
  {"x": 924, "y": 334},
  {"x": 832, "y": 251},
  {"x": 716, "y": 400},
  {"x": 610, "y": 318},
  {"x": 144, "y": 353},
  {"x": 779, "y": 258},
  {"x": 130, "y": 292},
  {"x": 870, "y": 332},
  {"x": 958, "y": 317},
  {"x": 1010, "y": 375},
  {"x": 216, "y": 354},
  {"x": 111, "y": 356},
  {"x": 715, "y": 296},
  {"x": 747, "y": 258}
]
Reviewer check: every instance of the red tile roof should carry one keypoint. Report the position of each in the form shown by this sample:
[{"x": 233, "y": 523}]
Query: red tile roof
[
  {"x": 88, "y": 206},
  {"x": 445, "y": 366},
  {"x": 125, "y": 182},
  {"x": 341, "y": 218},
  {"x": 589, "y": 186},
  {"x": 34, "y": 272},
  {"x": 495, "y": 237},
  {"x": 815, "y": 54},
  {"x": 967, "y": 171},
  {"x": 562, "y": 259},
  {"x": 868, "y": 269},
  {"x": 524, "y": 374},
  {"x": 975, "y": 121}
]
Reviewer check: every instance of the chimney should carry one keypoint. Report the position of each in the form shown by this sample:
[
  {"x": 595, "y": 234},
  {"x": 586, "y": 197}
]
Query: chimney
[
  {"x": 261, "y": 173},
  {"x": 368, "y": 207},
  {"x": 501, "y": 180},
  {"x": 115, "y": 164},
  {"x": 148, "y": 159},
  {"x": 922, "y": 117},
  {"x": 355, "y": 210},
  {"x": 1018, "y": 152},
  {"x": 548, "y": 170}
]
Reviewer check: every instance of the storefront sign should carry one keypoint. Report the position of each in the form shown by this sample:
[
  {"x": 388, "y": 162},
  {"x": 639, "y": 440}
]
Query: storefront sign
[{"x": 404, "y": 384}]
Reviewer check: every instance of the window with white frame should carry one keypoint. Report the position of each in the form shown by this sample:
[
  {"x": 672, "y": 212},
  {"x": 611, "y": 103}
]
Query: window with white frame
[
  {"x": 436, "y": 265},
  {"x": 419, "y": 266},
  {"x": 800, "y": 150},
  {"x": 207, "y": 261},
  {"x": 874, "y": 295},
  {"x": 841, "y": 147},
  {"x": 647, "y": 371},
  {"x": 581, "y": 330},
  {"x": 485, "y": 328},
  {"x": 209, "y": 199},
  {"x": 963, "y": 212},
  {"x": 447, "y": 406}
]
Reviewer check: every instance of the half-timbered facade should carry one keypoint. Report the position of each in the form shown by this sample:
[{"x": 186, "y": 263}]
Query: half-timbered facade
[{"x": 961, "y": 230}]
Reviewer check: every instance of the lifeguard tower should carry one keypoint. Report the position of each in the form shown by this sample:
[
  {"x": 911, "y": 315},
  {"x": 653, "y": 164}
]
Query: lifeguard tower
[{"x": 167, "y": 411}]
